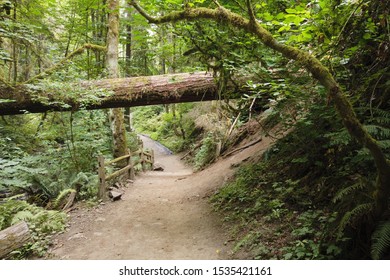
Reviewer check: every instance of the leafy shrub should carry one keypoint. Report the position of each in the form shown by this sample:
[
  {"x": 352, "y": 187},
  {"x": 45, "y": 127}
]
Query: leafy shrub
[{"x": 206, "y": 153}]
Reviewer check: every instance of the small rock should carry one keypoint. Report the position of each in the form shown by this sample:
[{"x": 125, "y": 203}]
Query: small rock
[
  {"x": 114, "y": 195},
  {"x": 77, "y": 236},
  {"x": 158, "y": 167}
]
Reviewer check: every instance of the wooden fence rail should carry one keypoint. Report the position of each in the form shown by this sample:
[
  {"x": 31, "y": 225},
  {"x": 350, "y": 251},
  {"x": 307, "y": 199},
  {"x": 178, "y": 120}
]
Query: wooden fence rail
[{"x": 143, "y": 157}]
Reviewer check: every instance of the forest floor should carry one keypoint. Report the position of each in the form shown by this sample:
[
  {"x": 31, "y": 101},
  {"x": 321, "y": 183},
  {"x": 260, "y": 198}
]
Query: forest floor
[{"x": 162, "y": 215}]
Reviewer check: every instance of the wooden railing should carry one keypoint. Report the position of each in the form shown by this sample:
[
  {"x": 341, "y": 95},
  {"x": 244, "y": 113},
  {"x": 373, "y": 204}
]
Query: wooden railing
[{"x": 143, "y": 157}]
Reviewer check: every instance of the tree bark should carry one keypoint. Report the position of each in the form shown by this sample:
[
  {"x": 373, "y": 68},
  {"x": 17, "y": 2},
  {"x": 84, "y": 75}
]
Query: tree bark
[
  {"x": 313, "y": 65},
  {"x": 13, "y": 238},
  {"x": 126, "y": 92},
  {"x": 116, "y": 114}
]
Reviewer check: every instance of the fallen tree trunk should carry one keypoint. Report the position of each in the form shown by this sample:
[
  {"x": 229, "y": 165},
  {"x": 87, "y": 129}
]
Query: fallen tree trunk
[
  {"x": 121, "y": 92},
  {"x": 13, "y": 238}
]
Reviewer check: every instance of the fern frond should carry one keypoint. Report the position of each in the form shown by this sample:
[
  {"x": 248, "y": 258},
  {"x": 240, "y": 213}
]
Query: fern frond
[
  {"x": 384, "y": 144},
  {"x": 362, "y": 184},
  {"x": 22, "y": 216},
  {"x": 381, "y": 120},
  {"x": 381, "y": 113},
  {"x": 378, "y": 131},
  {"x": 340, "y": 195},
  {"x": 380, "y": 240},
  {"x": 354, "y": 215},
  {"x": 340, "y": 138}
]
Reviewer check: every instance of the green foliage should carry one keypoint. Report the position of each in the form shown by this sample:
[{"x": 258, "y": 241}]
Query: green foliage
[
  {"x": 63, "y": 150},
  {"x": 264, "y": 209},
  {"x": 290, "y": 192},
  {"x": 169, "y": 125},
  {"x": 61, "y": 94},
  {"x": 42, "y": 223},
  {"x": 206, "y": 153},
  {"x": 381, "y": 241},
  {"x": 348, "y": 192},
  {"x": 355, "y": 216}
]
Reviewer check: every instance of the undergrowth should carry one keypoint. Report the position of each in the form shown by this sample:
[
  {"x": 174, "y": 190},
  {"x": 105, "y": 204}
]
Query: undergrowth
[
  {"x": 310, "y": 196},
  {"x": 42, "y": 224}
]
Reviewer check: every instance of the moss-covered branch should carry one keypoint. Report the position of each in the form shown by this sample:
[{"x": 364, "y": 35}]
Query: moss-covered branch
[
  {"x": 313, "y": 65},
  {"x": 66, "y": 59}
]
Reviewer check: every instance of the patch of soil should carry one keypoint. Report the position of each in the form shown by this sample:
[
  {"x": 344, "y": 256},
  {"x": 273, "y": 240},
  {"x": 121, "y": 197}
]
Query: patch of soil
[{"x": 162, "y": 215}]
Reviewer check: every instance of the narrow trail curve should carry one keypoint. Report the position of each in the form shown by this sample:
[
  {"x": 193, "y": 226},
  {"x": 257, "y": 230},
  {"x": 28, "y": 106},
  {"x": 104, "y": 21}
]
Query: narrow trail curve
[{"x": 162, "y": 215}]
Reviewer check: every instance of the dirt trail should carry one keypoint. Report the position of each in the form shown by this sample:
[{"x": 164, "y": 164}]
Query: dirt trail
[{"x": 162, "y": 215}]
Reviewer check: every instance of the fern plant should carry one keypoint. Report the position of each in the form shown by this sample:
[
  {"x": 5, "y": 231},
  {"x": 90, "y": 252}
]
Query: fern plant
[
  {"x": 380, "y": 241},
  {"x": 357, "y": 197},
  {"x": 353, "y": 217},
  {"x": 42, "y": 223},
  {"x": 363, "y": 185}
]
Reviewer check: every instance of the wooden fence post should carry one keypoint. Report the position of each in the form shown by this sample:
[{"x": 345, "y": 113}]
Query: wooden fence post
[
  {"x": 102, "y": 178},
  {"x": 130, "y": 162},
  {"x": 143, "y": 160}
]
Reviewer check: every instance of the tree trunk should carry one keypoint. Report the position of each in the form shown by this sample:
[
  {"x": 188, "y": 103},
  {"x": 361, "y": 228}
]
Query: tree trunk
[
  {"x": 15, "y": 50},
  {"x": 126, "y": 92},
  {"x": 116, "y": 114},
  {"x": 13, "y": 238},
  {"x": 129, "y": 43}
]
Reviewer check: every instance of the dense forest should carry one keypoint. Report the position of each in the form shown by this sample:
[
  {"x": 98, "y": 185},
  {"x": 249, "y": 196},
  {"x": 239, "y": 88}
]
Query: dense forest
[{"x": 311, "y": 75}]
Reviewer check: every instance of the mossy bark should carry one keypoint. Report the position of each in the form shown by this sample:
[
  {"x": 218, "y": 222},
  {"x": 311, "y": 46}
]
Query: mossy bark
[
  {"x": 314, "y": 66},
  {"x": 116, "y": 115},
  {"x": 124, "y": 92}
]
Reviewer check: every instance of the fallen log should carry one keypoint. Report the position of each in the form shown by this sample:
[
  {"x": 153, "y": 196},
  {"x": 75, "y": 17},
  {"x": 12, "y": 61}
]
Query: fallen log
[
  {"x": 13, "y": 238},
  {"x": 243, "y": 147},
  {"x": 109, "y": 93}
]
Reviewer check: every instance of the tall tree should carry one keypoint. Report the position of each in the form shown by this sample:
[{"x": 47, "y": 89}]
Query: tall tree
[{"x": 116, "y": 115}]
